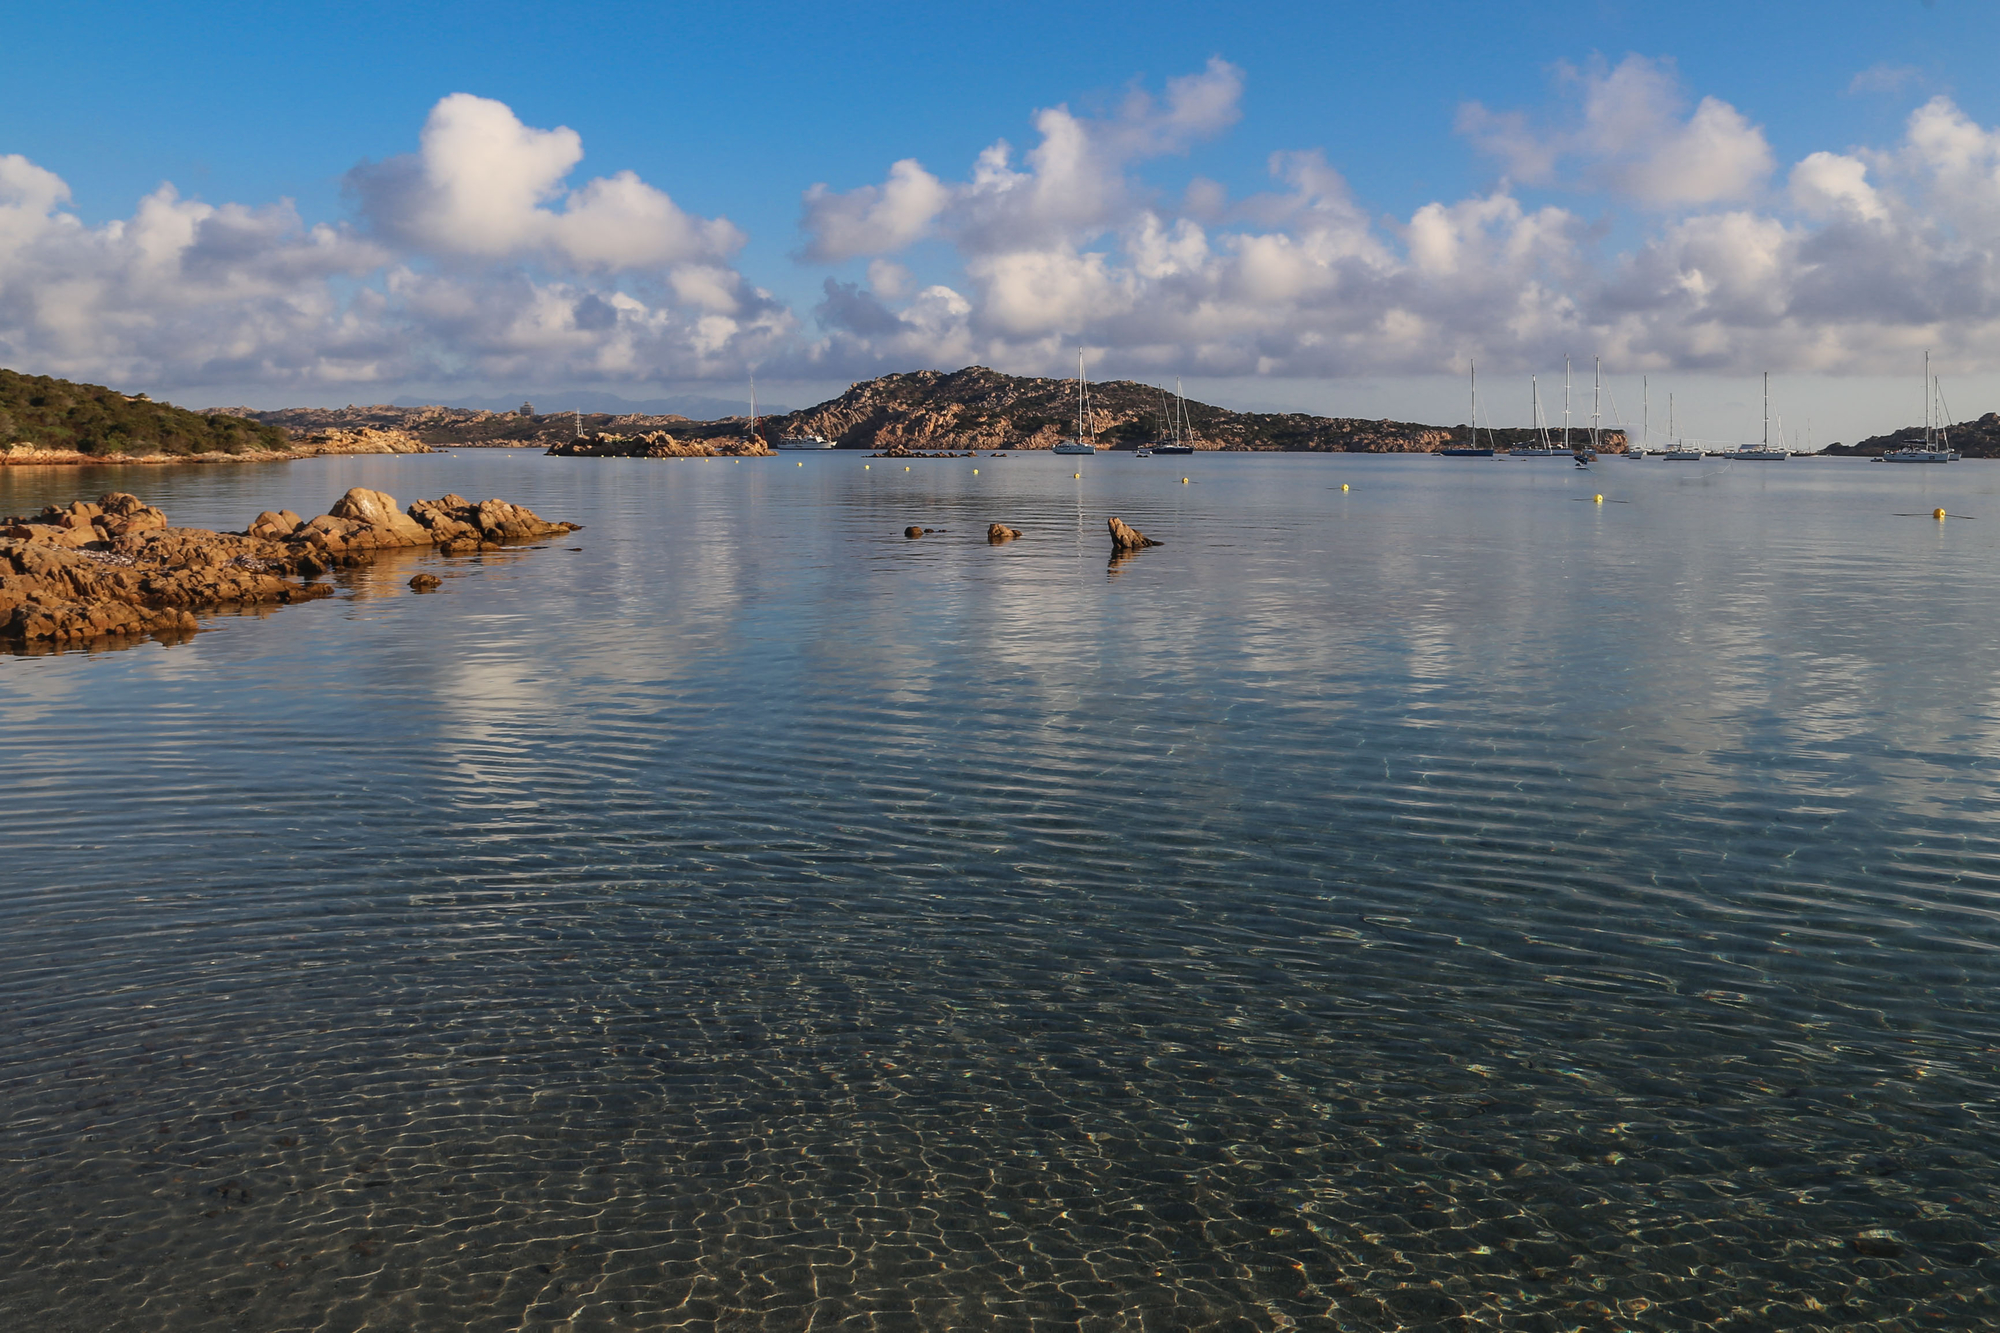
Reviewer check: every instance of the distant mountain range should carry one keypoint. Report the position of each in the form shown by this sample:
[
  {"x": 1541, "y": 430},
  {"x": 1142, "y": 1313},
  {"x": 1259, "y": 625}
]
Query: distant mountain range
[
  {"x": 695, "y": 407},
  {"x": 928, "y": 410}
]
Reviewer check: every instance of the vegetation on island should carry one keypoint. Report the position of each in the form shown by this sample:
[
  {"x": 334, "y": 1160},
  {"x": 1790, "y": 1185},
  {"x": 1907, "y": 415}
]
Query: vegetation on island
[
  {"x": 47, "y": 413},
  {"x": 1979, "y": 438}
]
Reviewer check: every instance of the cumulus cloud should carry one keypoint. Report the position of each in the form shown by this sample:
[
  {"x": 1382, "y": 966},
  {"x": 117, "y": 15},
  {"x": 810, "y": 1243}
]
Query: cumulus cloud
[
  {"x": 1073, "y": 180},
  {"x": 1861, "y": 256},
  {"x": 468, "y": 259},
  {"x": 1631, "y": 133},
  {"x": 480, "y": 184},
  {"x": 475, "y": 258}
]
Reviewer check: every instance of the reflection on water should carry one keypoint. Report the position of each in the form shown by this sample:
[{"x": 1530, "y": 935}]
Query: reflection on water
[{"x": 1438, "y": 904}]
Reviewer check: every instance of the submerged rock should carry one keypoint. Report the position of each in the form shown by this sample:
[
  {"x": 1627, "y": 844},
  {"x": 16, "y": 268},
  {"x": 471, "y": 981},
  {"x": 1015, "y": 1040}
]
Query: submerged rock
[
  {"x": 88, "y": 571},
  {"x": 1000, "y": 532},
  {"x": 425, "y": 583},
  {"x": 1125, "y": 537},
  {"x": 913, "y": 532}
]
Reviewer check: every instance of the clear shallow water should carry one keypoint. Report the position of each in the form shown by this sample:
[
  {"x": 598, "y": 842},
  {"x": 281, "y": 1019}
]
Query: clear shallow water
[{"x": 1449, "y": 903}]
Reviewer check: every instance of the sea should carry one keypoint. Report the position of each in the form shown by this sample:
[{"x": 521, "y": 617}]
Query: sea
[{"x": 1419, "y": 893}]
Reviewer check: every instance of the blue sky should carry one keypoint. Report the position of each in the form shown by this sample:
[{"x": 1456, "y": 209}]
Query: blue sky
[{"x": 1614, "y": 171}]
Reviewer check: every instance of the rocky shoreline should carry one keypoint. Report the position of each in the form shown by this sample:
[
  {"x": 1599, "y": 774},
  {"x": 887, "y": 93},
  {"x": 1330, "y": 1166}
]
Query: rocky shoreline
[
  {"x": 116, "y": 569},
  {"x": 325, "y": 444},
  {"x": 659, "y": 444}
]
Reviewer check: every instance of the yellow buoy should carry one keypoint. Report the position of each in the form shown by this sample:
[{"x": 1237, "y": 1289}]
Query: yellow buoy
[
  {"x": 1077, "y": 475},
  {"x": 975, "y": 472},
  {"x": 801, "y": 464},
  {"x": 1343, "y": 485},
  {"x": 1597, "y": 499},
  {"x": 864, "y": 467},
  {"x": 906, "y": 468},
  {"x": 1938, "y": 513},
  {"x": 1183, "y": 481}
]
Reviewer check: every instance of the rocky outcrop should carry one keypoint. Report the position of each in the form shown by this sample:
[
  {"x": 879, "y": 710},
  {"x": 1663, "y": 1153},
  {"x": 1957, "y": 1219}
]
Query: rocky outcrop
[
  {"x": 365, "y": 440},
  {"x": 1125, "y": 537},
  {"x": 1000, "y": 532},
  {"x": 660, "y": 444},
  {"x": 86, "y": 571}
]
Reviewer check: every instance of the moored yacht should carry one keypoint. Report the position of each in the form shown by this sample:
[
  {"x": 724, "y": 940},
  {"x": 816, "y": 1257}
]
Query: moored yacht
[
  {"x": 1079, "y": 445},
  {"x": 1763, "y": 453},
  {"x": 804, "y": 442},
  {"x": 1935, "y": 448},
  {"x": 1470, "y": 449}
]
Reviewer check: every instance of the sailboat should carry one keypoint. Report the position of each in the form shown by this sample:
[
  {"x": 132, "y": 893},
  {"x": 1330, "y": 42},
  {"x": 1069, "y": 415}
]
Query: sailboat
[
  {"x": 1635, "y": 452},
  {"x": 1934, "y": 449},
  {"x": 1542, "y": 448},
  {"x": 1763, "y": 453},
  {"x": 1182, "y": 430},
  {"x": 1680, "y": 453},
  {"x": 1079, "y": 445},
  {"x": 1470, "y": 449}
]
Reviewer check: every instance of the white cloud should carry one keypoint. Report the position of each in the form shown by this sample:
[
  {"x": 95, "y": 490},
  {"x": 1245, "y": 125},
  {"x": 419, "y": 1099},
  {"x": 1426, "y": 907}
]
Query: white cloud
[
  {"x": 471, "y": 260},
  {"x": 1074, "y": 179},
  {"x": 1630, "y": 135},
  {"x": 478, "y": 187},
  {"x": 475, "y": 260},
  {"x": 1864, "y": 255}
]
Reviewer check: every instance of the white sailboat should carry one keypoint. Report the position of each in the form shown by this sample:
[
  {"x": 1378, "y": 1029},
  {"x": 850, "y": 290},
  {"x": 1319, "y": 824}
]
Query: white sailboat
[
  {"x": 1079, "y": 445},
  {"x": 1183, "y": 431},
  {"x": 1763, "y": 453},
  {"x": 1680, "y": 453},
  {"x": 1541, "y": 448},
  {"x": 1640, "y": 450},
  {"x": 1935, "y": 448},
  {"x": 1470, "y": 449}
]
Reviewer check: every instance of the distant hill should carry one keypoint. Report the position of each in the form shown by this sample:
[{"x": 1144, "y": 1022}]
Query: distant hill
[
  {"x": 462, "y": 426},
  {"x": 973, "y": 408},
  {"x": 695, "y": 407},
  {"x": 977, "y": 408},
  {"x": 1973, "y": 439},
  {"x": 50, "y": 413}
]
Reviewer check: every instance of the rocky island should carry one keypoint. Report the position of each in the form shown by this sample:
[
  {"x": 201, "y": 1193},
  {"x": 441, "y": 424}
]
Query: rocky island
[
  {"x": 1979, "y": 438},
  {"x": 930, "y": 413},
  {"x": 116, "y": 567},
  {"x": 922, "y": 414}
]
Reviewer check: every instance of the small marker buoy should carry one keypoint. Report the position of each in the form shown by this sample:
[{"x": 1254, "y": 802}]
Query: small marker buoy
[
  {"x": 864, "y": 467},
  {"x": 1183, "y": 481},
  {"x": 906, "y": 468},
  {"x": 1343, "y": 485},
  {"x": 1077, "y": 475},
  {"x": 1597, "y": 499},
  {"x": 1939, "y": 513},
  {"x": 975, "y": 472}
]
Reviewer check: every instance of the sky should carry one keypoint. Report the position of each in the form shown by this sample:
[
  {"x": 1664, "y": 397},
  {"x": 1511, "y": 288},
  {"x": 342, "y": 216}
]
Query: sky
[{"x": 1331, "y": 207}]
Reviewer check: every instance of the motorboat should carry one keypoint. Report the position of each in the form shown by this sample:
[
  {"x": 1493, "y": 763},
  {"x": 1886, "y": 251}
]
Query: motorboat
[{"x": 804, "y": 442}]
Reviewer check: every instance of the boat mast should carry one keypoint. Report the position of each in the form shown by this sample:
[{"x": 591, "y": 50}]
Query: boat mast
[
  {"x": 1645, "y": 413},
  {"x": 1535, "y": 392},
  {"x": 1927, "y": 398},
  {"x": 1671, "y": 433},
  {"x": 1767, "y": 409},
  {"x": 1565, "y": 402},
  {"x": 1472, "y": 422},
  {"x": 753, "y": 407},
  {"x": 1596, "y": 397}
]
